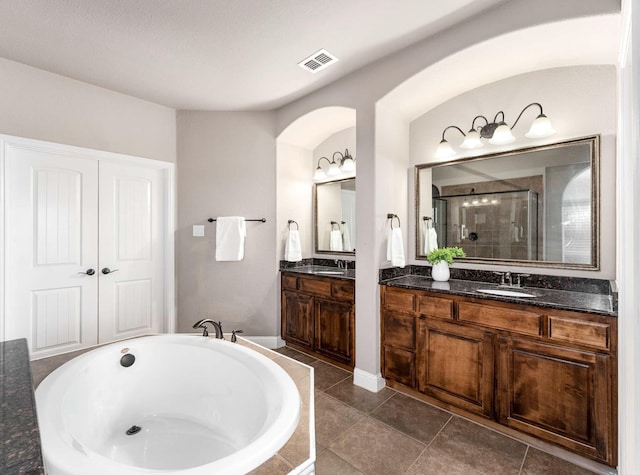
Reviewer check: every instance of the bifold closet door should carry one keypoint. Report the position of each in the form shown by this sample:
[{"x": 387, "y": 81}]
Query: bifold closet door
[
  {"x": 131, "y": 270},
  {"x": 51, "y": 249}
]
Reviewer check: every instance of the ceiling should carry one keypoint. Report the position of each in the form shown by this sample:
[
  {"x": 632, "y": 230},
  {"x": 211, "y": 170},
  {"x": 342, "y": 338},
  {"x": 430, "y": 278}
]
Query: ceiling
[{"x": 215, "y": 54}]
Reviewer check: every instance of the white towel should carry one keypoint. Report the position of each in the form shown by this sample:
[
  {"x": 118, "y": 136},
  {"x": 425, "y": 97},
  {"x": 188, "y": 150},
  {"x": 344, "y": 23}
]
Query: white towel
[
  {"x": 346, "y": 238},
  {"x": 395, "y": 249},
  {"x": 433, "y": 240},
  {"x": 335, "y": 240},
  {"x": 292, "y": 247},
  {"x": 430, "y": 238},
  {"x": 230, "y": 234}
]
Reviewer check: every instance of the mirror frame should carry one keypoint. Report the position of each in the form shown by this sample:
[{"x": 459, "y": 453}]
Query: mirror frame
[
  {"x": 594, "y": 145},
  {"x": 315, "y": 218}
]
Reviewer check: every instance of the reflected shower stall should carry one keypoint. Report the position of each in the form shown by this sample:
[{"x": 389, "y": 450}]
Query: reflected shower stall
[{"x": 497, "y": 225}]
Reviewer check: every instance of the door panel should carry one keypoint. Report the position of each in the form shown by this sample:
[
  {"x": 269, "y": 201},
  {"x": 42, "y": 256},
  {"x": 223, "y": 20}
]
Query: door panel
[
  {"x": 455, "y": 365},
  {"x": 131, "y": 247},
  {"x": 51, "y": 240}
]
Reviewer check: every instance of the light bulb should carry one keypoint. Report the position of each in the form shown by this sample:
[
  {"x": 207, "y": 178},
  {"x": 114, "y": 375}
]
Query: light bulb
[
  {"x": 541, "y": 127},
  {"x": 333, "y": 169},
  {"x": 502, "y": 135},
  {"x": 472, "y": 140},
  {"x": 444, "y": 150},
  {"x": 348, "y": 165},
  {"x": 319, "y": 174}
]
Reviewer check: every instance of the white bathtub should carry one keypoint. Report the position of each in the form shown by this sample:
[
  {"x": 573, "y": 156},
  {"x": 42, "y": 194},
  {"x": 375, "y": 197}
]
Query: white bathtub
[{"x": 203, "y": 406}]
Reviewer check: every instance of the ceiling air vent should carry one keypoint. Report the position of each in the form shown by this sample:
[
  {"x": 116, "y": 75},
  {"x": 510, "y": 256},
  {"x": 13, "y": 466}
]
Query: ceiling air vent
[{"x": 318, "y": 61}]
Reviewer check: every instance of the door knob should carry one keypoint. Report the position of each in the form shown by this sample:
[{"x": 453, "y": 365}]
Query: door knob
[
  {"x": 106, "y": 270},
  {"x": 88, "y": 272}
]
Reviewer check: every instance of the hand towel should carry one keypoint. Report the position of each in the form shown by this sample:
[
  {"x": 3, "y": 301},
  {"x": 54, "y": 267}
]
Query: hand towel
[
  {"x": 346, "y": 238},
  {"x": 425, "y": 234},
  {"x": 292, "y": 247},
  {"x": 230, "y": 234},
  {"x": 395, "y": 249},
  {"x": 335, "y": 240},
  {"x": 433, "y": 240}
]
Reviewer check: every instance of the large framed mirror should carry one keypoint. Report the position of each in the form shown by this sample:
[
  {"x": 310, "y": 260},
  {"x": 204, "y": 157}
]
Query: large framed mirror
[
  {"x": 335, "y": 216},
  {"x": 537, "y": 206}
]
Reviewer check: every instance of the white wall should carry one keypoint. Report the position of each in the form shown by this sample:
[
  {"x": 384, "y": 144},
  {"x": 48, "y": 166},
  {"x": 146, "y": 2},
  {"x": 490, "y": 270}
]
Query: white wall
[
  {"x": 628, "y": 257},
  {"x": 40, "y": 105},
  {"x": 579, "y": 100},
  {"x": 227, "y": 167},
  {"x": 295, "y": 195}
]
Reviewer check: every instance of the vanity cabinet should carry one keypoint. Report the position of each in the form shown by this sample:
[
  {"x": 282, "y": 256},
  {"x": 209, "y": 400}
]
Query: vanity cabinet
[
  {"x": 547, "y": 373},
  {"x": 318, "y": 317}
]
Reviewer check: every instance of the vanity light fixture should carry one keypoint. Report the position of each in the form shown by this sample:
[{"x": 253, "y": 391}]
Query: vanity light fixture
[
  {"x": 344, "y": 163},
  {"x": 497, "y": 132}
]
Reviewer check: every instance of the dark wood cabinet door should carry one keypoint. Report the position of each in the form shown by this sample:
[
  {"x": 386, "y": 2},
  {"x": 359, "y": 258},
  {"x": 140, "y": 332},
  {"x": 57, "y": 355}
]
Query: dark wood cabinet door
[
  {"x": 557, "y": 394},
  {"x": 334, "y": 335},
  {"x": 456, "y": 365},
  {"x": 297, "y": 318}
]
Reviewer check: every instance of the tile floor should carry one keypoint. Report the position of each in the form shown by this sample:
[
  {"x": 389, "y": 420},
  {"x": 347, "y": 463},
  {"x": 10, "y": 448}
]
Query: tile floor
[{"x": 386, "y": 433}]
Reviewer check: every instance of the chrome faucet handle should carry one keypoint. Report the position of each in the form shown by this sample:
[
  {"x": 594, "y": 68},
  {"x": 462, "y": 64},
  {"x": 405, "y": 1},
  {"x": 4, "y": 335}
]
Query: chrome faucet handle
[
  {"x": 501, "y": 274},
  {"x": 520, "y": 276},
  {"x": 508, "y": 279}
]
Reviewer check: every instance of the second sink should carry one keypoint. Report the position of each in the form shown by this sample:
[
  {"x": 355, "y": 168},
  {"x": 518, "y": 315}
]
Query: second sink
[{"x": 505, "y": 293}]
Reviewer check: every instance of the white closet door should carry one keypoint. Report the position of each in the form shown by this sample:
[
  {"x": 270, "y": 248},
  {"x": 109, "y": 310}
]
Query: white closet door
[
  {"x": 131, "y": 251},
  {"x": 51, "y": 241}
]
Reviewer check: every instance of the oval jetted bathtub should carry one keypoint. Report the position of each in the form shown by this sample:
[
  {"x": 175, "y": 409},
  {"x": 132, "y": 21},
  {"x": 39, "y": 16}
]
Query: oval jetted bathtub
[{"x": 171, "y": 404}]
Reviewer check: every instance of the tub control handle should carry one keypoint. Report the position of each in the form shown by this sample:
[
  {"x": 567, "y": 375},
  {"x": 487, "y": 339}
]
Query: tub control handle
[
  {"x": 106, "y": 270},
  {"x": 234, "y": 339}
]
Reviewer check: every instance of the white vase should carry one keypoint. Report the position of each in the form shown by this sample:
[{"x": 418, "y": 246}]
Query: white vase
[{"x": 440, "y": 271}]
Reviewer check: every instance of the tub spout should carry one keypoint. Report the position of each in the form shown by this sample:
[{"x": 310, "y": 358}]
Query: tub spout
[{"x": 217, "y": 326}]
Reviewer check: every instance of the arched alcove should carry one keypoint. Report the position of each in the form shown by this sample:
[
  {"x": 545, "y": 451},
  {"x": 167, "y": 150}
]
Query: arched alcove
[{"x": 295, "y": 166}]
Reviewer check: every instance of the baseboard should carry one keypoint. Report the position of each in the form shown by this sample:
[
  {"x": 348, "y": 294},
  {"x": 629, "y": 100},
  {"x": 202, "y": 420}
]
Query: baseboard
[
  {"x": 371, "y": 382},
  {"x": 271, "y": 342}
]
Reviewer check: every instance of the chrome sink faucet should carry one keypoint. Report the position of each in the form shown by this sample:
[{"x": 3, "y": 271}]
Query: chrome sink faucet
[
  {"x": 217, "y": 326},
  {"x": 341, "y": 264}
]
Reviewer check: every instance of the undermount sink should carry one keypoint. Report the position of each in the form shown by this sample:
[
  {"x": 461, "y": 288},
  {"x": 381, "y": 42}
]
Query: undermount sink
[
  {"x": 505, "y": 293},
  {"x": 329, "y": 272}
]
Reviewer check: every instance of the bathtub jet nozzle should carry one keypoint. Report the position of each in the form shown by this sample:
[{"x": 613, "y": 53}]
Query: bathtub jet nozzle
[{"x": 134, "y": 429}]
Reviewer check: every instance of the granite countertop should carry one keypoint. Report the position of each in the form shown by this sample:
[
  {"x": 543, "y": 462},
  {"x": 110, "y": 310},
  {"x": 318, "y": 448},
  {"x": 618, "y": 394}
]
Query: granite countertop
[
  {"x": 18, "y": 421},
  {"x": 323, "y": 271},
  {"x": 594, "y": 303}
]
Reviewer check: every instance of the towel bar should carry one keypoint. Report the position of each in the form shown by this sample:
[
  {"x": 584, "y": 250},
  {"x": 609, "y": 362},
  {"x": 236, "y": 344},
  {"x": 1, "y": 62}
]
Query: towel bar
[
  {"x": 262, "y": 220},
  {"x": 291, "y": 221},
  {"x": 392, "y": 216}
]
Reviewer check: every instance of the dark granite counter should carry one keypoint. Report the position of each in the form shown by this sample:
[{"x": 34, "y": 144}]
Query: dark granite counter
[
  {"x": 588, "y": 302},
  {"x": 18, "y": 422},
  {"x": 323, "y": 271}
]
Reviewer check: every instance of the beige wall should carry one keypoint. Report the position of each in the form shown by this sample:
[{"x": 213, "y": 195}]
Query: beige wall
[
  {"x": 227, "y": 167},
  {"x": 40, "y": 105}
]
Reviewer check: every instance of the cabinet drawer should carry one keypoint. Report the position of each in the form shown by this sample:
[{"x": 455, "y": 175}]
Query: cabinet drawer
[
  {"x": 315, "y": 286},
  {"x": 508, "y": 319},
  {"x": 435, "y": 306},
  {"x": 571, "y": 330},
  {"x": 289, "y": 282},
  {"x": 342, "y": 290},
  {"x": 399, "y": 300}
]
